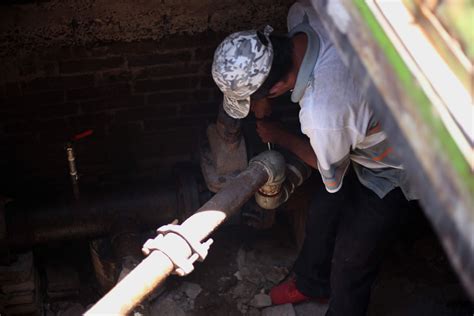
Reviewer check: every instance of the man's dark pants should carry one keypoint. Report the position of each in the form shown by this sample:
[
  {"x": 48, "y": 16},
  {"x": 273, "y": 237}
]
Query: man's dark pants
[{"x": 347, "y": 234}]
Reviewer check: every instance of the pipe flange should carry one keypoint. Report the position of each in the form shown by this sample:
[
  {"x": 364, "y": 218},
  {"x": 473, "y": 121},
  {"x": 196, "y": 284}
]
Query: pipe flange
[{"x": 274, "y": 164}]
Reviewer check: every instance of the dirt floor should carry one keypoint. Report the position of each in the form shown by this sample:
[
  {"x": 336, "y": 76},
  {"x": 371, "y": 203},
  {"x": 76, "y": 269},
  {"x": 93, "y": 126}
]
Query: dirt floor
[{"x": 242, "y": 266}]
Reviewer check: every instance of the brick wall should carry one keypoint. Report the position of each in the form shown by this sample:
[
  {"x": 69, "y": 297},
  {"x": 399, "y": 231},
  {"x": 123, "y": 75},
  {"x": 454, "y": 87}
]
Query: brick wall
[{"x": 147, "y": 102}]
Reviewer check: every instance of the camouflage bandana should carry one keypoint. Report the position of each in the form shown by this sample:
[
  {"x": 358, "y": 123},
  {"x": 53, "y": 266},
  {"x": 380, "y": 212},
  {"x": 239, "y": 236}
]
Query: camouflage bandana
[{"x": 241, "y": 64}]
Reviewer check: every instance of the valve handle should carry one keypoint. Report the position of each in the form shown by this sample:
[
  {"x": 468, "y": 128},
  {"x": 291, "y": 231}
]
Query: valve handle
[{"x": 82, "y": 135}]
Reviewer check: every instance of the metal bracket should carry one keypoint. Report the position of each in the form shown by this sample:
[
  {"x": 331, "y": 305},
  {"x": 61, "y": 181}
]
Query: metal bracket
[{"x": 183, "y": 266}]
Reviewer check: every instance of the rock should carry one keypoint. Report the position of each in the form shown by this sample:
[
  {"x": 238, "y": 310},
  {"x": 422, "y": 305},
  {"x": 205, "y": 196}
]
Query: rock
[
  {"x": 241, "y": 258},
  {"x": 261, "y": 300},
  {"x": 311, "y": 308},
  {"x": 166, "y": 307},
  {"x": 225, "y": 283},
  {"x": 238, "y": 275},
  {"x": 244, "y": 290},
  {"x": 279, "y": 310},
  {"x": 253, "y": 312},
  {"x": 254, "y": 276},
  {"x": 179, "y": 297},
  {"x": 191, "y": 290},
  {"x": 275, "y": 274},
  {"x": 243, "y": 308}
]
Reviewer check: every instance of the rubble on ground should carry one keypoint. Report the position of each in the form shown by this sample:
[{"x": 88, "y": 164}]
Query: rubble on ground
[
  {"x": 257, "y": 269},
  {"x": 239, "y": 272}
]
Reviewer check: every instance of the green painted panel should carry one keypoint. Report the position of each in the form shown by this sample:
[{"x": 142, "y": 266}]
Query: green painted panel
[{"x": 443, "y": 139}]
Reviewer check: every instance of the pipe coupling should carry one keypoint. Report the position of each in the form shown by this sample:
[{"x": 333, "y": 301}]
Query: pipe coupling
[
  {"x": 274, "y": 164},
  {"x": 271, "y": 196}
]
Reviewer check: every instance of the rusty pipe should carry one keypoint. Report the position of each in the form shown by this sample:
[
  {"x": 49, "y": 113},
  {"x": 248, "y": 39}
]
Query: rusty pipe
[
  {"x": 149, "y": 205},
  {"x": 228, "y": 128},
  {"x": 154, "y": 269}
]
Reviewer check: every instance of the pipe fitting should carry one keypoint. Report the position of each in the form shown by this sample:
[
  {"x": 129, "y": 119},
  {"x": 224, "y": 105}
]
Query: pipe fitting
[
  {"x": 296, "y": 173},
  {"x": 271, "y": 202},
  {"x": 274, "y": 164}
]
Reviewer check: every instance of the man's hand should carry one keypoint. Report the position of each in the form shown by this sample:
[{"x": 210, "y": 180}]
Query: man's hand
[
  {"x": 274, "y": 132},
  {"x": 261, "y": 108},
  {"x": 271, "y": 132}
]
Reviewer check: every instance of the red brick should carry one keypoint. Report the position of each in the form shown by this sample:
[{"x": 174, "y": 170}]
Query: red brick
[
  {"x": 113, "y": 103},
  {"x": 99, "y": 92},
  {"x": 157, "y": 59},
  {"x": 39, "y": 111},
  {"x": 148, "y": 150},
  {"x": 185, "y": 144},
  {"x": 19, "y": 126},
  {"x": 80, "y": 52},
  {"x": 59, "y": 110},
  {"x": 159, "y": 144},
  {"x": 195, "y": 40},
  {"x": 56, "y": 53},
  {"x": 47, "y": 130},
  {"x": 113, "y": 76},
  {"x": 18, "y": 139},
  {"x": 206, "y": 82},
  {"x": 91, "y": 151},
  {"x": 127, "y": 48},
  {"x": 12, "y": 89},
  {"x": 48, "y": 68},
  {"x": 97, "y": 122},
  {"x": 14, "y": 113},
  {"x": 145, "y": 112},
  {"x": 172, "y": 70},
  {"x": 169, "y": 98},
  {"x": 201, "y": 109},
  {"x": 58, "y": 126},
  {"x": 216, "y": 93},
  {"x": 126, "y": 131},
  {"x": 40, "y": 98},
  {"x": 58, "y": 135},
  {"x": 169, "y": 84},
  {"x": 204, "y": 53},
  {"x": 90, "y": 65},
  {"x": 173, "y": 124},
  {"x": 206, "y": 67},
  {"x": 27, "y": 67},
  {"x": 55, "y": 83},
  {"x": 202, "y": 95}
]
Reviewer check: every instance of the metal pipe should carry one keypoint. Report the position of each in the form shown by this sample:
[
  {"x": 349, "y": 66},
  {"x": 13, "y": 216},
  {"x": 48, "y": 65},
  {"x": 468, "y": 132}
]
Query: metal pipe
[
  {"x": 157, "y": 266},
  {"x": 223, "y": 153},
  {"x": 148, "y": 205},
  {"x": 71, "y": 159},
  {"x": 228, "y": 128}
]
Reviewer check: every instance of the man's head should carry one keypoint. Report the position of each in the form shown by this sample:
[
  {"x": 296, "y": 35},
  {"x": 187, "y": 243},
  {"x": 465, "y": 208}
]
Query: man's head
[
  {"x": 281, "y": 66},
  {"x": 244, "y": 67}
]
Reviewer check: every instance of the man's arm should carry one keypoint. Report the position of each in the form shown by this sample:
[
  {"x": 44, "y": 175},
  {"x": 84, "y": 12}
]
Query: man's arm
[{"x": 272, "y": 132}]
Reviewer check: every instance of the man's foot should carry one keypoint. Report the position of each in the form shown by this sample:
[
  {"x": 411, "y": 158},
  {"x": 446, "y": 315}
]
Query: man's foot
[{"x": 287, "y": 292}]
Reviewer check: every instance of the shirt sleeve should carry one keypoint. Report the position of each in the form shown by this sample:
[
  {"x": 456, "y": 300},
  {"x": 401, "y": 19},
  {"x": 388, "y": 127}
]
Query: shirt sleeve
[
  {"x": 332, "y": 149},
  {"x": 297, "y": 12}
]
